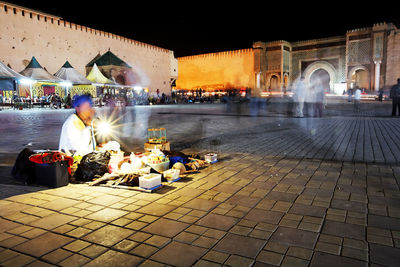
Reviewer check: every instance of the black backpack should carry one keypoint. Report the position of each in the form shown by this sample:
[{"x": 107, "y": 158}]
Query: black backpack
[{"x": 24, "y": 169}]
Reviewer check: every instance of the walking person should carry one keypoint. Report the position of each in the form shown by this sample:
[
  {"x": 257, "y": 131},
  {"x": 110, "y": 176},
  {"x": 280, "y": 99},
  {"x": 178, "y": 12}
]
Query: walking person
[
  {"x": 310, "y": 100},
  {"x": 350, "y": 94},
  {"x": 357, "y": 99},
  {"x": 298, "y": 98},
  {"x": 395, "y": 96},
  {"x": 319, "y": 99}
]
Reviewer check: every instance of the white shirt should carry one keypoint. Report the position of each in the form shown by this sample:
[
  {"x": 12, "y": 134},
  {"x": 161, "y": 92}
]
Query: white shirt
[
  {"x": 300, "y": 91},
  {"x": 76, "y": 137},
  {"x": 357, "y": 94}
]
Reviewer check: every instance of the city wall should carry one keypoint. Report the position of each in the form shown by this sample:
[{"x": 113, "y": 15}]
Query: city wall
[
  {"x": 393, "y": 57},
  {"x": 25, "y": 33},
  {"x": 222, "y": 70}
]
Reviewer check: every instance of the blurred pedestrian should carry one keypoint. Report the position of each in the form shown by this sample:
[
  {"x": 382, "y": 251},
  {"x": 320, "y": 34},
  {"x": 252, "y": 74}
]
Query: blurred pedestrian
[
  {"x": 319, "y": 99},
  {"x": 380, "y": 95},
  {"x": 349, "y": 94},
  {"x": 299, "y": 95},
  {"x": 357, "y": 99},
  {"x": 395, "y": 96},
  {"x": 310, "y": 100}
]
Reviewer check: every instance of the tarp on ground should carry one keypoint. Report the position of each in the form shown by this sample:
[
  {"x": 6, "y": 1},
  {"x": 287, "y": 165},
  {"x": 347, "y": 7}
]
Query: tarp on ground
[
  {"x": 68, "y": 73},
  {"x": 36, "y": 72},
  {"x": 96, "y": 76},
  {"x": 6, "y": 72}
]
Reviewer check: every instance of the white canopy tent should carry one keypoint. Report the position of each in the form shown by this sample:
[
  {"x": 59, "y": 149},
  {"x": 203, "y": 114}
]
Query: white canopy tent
[
  {"x": 9, "y": 80},
  {"x": 36, "y": 72},
  {"x": 69, "y": 74},
  {"x": 6, "y": 72}
]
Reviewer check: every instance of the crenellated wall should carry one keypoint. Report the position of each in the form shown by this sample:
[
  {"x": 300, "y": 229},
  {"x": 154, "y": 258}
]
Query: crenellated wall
[
  {"x": 25, "y": 33},
  {"x": 222, "y": 70}
]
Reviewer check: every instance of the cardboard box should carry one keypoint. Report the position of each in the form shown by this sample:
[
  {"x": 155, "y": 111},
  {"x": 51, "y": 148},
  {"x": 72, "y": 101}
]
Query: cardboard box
[{"x": 163, "y": 146}]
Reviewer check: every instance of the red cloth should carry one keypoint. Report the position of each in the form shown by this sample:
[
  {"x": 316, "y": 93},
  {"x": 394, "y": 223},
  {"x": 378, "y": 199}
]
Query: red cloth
[{"x": 51, "y": 157}]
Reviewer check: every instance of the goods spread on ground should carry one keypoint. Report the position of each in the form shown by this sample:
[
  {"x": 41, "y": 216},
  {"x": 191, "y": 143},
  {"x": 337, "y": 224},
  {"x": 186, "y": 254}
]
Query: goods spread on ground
[
  {"x": 139, "y": 171},
  {"x": 110, "y": 166},
  {"x": 143, "y": 171}
]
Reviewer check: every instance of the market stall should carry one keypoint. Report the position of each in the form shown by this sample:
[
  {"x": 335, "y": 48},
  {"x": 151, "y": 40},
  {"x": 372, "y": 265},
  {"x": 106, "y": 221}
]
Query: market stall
[
  {"x": 43, "y": 83},
  {"x": 76, "y": 83},
  {"x": 9, "y": 80},
  {"x": 143, "y": 171},
  {"x": 109, "y": 166}
]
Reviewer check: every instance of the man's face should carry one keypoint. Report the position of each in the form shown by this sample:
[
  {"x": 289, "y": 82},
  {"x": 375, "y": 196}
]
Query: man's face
[{"x": 85, "y": 112}]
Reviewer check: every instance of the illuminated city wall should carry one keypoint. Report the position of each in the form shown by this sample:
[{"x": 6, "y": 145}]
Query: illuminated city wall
[
  {"x": 368, "y": 58},
  {"x": 25, "y": 33},
  {"x": 223, "y": 70},
  {"x": 393, "y": 57}
]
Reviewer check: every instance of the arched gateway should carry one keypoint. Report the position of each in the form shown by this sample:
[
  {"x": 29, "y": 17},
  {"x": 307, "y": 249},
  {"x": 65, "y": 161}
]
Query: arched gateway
[{"x": 322, "y": 70}]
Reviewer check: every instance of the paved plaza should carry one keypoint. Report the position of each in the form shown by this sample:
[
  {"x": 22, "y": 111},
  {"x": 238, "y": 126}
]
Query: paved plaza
[{"x": 286, "y": 191}]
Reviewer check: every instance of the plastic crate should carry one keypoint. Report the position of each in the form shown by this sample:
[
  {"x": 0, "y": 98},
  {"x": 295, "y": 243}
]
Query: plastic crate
[{"x": 150, "y": 181}]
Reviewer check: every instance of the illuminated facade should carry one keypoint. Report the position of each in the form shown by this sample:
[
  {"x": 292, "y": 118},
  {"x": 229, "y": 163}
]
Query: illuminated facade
[
  {"x": 368, "y": 58},
  {"x": 26, "y": 33}
]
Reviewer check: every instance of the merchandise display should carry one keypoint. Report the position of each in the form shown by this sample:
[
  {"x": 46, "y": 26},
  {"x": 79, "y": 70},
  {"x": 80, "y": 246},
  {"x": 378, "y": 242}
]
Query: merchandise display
[
  {"x": 109, "y": 166},
  {"x": 157, "y": 135}
]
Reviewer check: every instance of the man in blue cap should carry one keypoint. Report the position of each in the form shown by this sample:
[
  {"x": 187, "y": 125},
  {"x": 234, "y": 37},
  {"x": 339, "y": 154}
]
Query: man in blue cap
[{"x": 77, "y": 134}]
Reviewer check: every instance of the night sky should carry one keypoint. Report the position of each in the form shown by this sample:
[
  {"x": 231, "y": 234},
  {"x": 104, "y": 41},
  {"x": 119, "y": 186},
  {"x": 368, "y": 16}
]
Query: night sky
[{"x": 197, "y": 27}]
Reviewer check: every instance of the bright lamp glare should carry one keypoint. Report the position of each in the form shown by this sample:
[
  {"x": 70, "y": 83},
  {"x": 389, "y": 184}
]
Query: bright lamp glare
[{"x": 104, "y": 128}]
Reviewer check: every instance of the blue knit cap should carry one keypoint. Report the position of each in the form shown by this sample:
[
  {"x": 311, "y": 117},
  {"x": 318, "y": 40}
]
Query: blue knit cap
[{"x": 80, "y": 99}]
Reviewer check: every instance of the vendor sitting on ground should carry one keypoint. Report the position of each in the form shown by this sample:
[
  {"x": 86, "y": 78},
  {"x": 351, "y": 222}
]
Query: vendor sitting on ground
[{"x": 76, "y": 134}]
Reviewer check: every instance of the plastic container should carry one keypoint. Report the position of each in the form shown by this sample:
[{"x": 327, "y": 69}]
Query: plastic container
[
  {"x": 52, "y": 174},
  {"x": 211, "y": 157},
  {"x": 150, "y": 181},
  {"x": 157, "y": 135},
  {"x": 160, "y": 167},
  {"x": 171, "y": 175}
]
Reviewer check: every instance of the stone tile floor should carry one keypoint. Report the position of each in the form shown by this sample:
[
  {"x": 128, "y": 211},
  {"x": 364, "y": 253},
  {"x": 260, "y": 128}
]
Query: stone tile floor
[
  {"x": 244, "y": 210},
  {"x": 286, "y": 191}
]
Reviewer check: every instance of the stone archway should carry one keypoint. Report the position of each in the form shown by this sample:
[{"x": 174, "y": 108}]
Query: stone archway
[
  {"x": 320, "y": 77},
  {"x": 273, "y": 83},
  {"x": 323, "y": 68},
  {"x": 359, "y": 76}
]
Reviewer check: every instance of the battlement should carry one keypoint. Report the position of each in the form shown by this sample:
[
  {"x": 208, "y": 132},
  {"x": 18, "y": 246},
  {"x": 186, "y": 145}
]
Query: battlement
[
  {"x": 360, "y": 30},
  {"x": 319, "y": 40},
  {"x": 230, "y": 53},
  {"x": 12, "y": 9}
]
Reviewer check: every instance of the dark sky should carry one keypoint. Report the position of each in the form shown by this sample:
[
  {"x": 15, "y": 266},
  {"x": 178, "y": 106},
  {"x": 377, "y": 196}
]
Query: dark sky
[{"x": 196, "y": 27}]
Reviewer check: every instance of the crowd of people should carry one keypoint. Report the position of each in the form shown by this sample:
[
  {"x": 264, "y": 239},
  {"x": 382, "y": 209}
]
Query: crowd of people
[{"x": 308, "y": 99}]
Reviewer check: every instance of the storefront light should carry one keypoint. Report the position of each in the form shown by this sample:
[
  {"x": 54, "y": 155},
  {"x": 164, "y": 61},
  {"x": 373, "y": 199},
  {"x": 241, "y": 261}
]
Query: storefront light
[
  {"x": 66, "y": 84},
  {"x": 26, "y": 81},
  {"x": 137, "y": 88}
]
